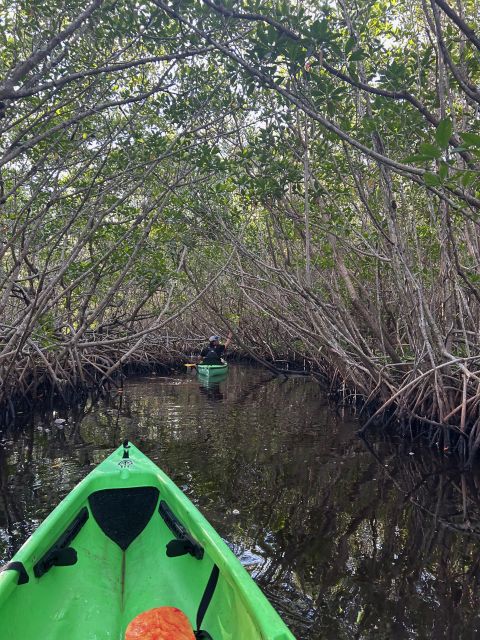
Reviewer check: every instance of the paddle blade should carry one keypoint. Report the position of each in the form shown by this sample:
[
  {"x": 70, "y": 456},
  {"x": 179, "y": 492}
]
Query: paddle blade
[
  {"x": 162, "y": 623},
  {"x": 190, "y": 365}
]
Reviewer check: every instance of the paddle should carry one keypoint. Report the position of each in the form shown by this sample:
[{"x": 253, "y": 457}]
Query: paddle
[{"x": 190, "y": 365}]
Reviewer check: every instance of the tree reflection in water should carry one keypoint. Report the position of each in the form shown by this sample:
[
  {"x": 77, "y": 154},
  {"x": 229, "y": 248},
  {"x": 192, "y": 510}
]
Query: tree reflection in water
[{"x": 347, "y": 539}]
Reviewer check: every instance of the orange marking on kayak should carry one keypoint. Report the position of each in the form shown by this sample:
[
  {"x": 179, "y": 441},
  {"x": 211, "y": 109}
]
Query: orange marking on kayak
[{"x": 162, "y": 623}]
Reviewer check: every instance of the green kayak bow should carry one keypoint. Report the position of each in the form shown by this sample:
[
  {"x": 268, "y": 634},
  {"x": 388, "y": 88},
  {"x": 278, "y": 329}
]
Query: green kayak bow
[{"x": 124, "y": 541}]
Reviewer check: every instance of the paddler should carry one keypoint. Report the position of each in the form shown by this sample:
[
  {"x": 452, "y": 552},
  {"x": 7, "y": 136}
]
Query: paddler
[{"x": 213, "y": 352}]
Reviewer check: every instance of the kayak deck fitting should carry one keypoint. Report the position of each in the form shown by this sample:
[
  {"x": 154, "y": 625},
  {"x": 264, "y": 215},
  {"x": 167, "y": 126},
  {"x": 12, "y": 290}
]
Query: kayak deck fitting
[{"x": 126, "y": 540}]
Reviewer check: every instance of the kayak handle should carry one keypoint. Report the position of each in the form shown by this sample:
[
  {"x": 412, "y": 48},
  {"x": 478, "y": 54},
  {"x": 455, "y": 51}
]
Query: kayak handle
[
  {"x": 60, "y": 554},
  {"x": 183, "y": 543},
  {"x": 22, "y": 572},
  {"x": 181, "y": 547}
]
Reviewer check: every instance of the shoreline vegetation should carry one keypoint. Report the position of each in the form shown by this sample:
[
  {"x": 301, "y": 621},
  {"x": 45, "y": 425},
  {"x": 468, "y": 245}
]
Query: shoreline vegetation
[
  {"x": 42, "y": 389},
  {"x": 47, "y": 393},
  {"x": 305, "y": 176}
]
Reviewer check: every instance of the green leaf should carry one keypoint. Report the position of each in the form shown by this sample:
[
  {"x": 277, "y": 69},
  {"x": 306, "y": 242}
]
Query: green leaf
[
  {"x": 469, "y": 177},
  {"x": 472, "y": 139},
  {"x": 349, "y": 45},
  {"x": 417, "y": 157},
  {"x": 262, "y": 34},
  {"x": 426, "y": 56},
  {"x": 353, "y": 71},
  {"x": 331, "y": 108},
  {"x": 319, "y": 30},
  {"x": 360, "y": 616},
  {"x": 359, "y": 54},
  {"x": 430, "y": 150},
  {"x": 295, "y": 50},
  {"x": 443, "y": 171},
  {"x": 443, "y": 132},
  {"x": 431, "y": 179},
  {"x": 272, "y": 34}
]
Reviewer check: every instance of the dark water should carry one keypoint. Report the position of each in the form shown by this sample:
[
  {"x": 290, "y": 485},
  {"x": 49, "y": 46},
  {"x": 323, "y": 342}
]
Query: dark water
[{"x": 346, "y": 540}]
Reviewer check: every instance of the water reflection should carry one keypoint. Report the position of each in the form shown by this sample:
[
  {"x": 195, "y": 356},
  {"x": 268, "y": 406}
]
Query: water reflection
[
  {"x": 347, "y": 539},
  {"x": 212, "y": 388}
]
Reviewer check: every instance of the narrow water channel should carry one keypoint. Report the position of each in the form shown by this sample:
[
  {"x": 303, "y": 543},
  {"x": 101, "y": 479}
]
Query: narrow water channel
[{"x": 347, "y": 540}]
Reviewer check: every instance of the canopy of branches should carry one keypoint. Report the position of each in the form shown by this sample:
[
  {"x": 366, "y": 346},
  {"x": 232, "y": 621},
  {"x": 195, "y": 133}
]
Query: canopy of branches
[{"x": 305, "y": 174}]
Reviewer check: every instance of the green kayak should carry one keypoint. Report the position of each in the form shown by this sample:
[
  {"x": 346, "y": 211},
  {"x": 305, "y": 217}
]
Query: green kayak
[
  {"x": 124, "y": 541},
  {"x": 212, "y": 370}
]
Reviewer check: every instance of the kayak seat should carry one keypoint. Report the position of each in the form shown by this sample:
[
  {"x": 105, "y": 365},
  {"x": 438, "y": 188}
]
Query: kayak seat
[
  {"x": 122, "y": 514},
  {"x": 183, "y": 542},
  {"x": 60, "y": 554}
]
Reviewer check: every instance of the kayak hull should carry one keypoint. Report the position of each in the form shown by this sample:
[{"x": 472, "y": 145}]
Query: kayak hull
[
  {"x": 212, "y": 382},
  {"x": 212, "y": 370},
  {"x": 126, "y": 540}
]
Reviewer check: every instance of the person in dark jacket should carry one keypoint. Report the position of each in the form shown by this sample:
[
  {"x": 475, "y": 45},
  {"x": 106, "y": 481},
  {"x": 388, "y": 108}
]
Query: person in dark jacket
[{"x": 212, "y": 354}]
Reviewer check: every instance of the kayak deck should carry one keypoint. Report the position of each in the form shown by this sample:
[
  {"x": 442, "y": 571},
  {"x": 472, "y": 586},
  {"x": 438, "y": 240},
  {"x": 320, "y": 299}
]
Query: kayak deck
[{"x": 126, "y": 540}]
